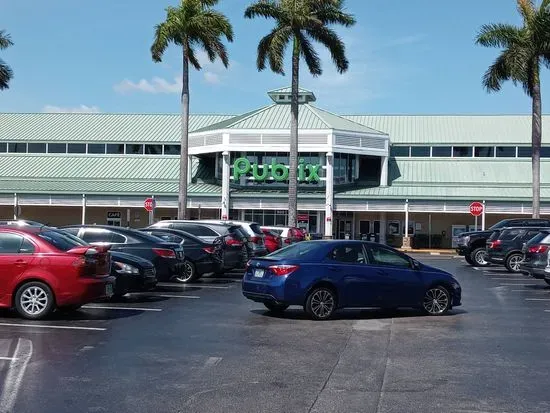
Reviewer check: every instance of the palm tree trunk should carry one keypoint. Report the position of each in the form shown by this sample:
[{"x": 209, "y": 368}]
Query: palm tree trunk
[
  {"x": 293, "y": 164},
  {"x": 536, "y": 143},
  {"x": 184, "y": 156}
]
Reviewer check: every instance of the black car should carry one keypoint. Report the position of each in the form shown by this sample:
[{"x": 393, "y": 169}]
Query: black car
[
  {"x": 472, "y": 245},
  {"x": 233, "y": 245},
  {"x": 536, "y": 260},
  {"x": 201, "y": 257},
  {"x": 505, "y": 245},
  {"x": 167, "y": 257},
  {"x": 133, "y": 274}
]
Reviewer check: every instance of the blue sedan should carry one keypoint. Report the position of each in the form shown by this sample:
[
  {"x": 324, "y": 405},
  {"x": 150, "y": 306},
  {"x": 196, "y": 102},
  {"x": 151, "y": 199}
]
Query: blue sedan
[{"x": 323, "y": 276}]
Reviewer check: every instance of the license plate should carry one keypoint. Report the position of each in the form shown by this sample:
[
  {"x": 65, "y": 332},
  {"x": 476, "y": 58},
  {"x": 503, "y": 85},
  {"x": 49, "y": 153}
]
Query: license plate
[
  {"x": 109, "y": 290},
  {"x": 258, "y": 273}
]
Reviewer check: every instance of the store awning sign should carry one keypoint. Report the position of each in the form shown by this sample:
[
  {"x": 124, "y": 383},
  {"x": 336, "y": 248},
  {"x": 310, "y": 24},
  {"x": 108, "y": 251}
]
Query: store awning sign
[{"x": 275, "y": 171}]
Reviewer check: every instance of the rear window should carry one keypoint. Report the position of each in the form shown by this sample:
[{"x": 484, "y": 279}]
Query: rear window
[
  {"x": 256, "y": 228},
  {"x": 63, "y": 242},
  {"x": 298, "y": 250},
  {"x": 198, "y": 230},
  {"x": 494, "y": 235},
  {"x": 510, "y": 234},
  {"x": 540, "y": 238}
]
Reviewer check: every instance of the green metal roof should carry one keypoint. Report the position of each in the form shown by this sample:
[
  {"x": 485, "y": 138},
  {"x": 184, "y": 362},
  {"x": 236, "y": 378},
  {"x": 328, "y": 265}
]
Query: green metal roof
[
  {"x": 279, "y": 117},
  {"x": 97, "y": 127},
  {"x": 455, "y": 129}
]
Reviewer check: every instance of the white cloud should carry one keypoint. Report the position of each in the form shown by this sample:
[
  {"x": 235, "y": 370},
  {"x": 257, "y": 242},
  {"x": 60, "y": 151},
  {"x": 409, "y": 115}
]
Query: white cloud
[
  {"x": 155, "y": 85},
  {"x": 214, "y": 73},
  {"x": 77, "y": 109},
  {"x": 212, "y": 78}
]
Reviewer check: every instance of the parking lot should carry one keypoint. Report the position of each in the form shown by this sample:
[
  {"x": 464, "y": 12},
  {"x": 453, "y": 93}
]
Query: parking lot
[{"x": 204, "y": 348}]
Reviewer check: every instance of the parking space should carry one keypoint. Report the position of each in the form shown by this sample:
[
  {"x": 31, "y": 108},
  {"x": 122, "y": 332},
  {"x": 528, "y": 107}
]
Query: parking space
[{"x": 206, "y": 348}]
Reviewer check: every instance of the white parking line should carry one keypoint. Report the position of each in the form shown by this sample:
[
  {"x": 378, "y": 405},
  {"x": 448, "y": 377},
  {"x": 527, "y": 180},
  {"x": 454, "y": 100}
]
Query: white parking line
[
  {"x": 537, "y": 299},
  {"x": 530, "y": 290},
  {"x": 509, "y": 279},
  {"x": 184, "y": 287},
  {"x": 53, "y": 327},
  {"x": 193, "y": 297},
  {"x": 519, "y": 284},
  {"x": 8, "y": 358},
  {"x": 16, "y": 371},
  {"x": 101, "y": 307},
  {"x": 547, "y": 311}
]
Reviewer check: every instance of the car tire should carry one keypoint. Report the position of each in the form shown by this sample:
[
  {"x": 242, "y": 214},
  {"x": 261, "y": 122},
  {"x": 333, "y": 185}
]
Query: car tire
[
  {"x": 468, "y": 259},
  {"x": 320, "y": 303},
  {"x": 437, "y": 301},
  {"x": 189, "y": 273},
  {"x": 478, "y": 257},
  {"x": 41, "y": 307},
  {"x": 276, "y": 308},
  {"x": 512, "y": 263},
  {"x": 547, "y": 281}
]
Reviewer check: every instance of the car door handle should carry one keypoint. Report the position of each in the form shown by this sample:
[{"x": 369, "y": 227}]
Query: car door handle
[
  {"x": 20, "y": 263},
  {"x": 381, "y": 272},
  {"x": 332, "y": 268}
]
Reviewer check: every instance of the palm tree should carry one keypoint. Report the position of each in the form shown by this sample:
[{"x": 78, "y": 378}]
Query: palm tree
[
  {"x": 524, "y": 49},
  {"x": 194, "y": 23},
  {"x": 5, "y": 71},
  {"x": 298, "y": 23}
]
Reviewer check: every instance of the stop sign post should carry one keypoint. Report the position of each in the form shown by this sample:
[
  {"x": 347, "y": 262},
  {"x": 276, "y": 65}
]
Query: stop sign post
[
  {"x": 476, "y": 209},
  {"x": 149, "y": 204}
]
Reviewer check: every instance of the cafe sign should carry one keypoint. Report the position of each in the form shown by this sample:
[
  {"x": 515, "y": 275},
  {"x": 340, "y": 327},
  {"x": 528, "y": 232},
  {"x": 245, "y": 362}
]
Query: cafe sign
[{"x": 276, "y": 171}]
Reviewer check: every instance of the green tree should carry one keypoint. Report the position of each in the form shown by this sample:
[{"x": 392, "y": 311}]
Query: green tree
[
  {"x": 299, "y": 23},
  {"x": 524, "y": 50},
  {"x": 193, "y": 24},
  {"x": 5, "y": 71}
]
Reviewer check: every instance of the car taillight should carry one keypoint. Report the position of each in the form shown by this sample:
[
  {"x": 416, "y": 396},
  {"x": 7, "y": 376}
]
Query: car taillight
[
  {"x": 538, "y": 249},
  {"x": 164, "y": 252},
  {"x": 283, "y": 269},
  {"x": 256, "y": 239},
  {"x": 209, "y": 250},
  {"x": 247, "y": 264},
  {"x": 288, "y": 240},
  {"x": 494, "y": 244},
  {"x": 232, "y": 242}
]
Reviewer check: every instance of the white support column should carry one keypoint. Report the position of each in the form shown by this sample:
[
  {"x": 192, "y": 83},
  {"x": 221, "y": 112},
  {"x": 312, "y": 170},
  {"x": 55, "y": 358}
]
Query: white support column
[
  {"x": 226, "y": 172},
  {"x": 152, "y": 213},
  {"x": 15, "y": 207},
  {"x": 483, "y": 217},
  {"x": 383, "y": 227},
  {"x": 329, "y": 194},
  {"x": 384, "y": 171},
  {"x": 357, "y": 161},
  {"x": 83, "y": 209},
  {"x": 353, "y": 219},
  {"x": 190, "y": 170},
  {"x": 406, "y": 238}
]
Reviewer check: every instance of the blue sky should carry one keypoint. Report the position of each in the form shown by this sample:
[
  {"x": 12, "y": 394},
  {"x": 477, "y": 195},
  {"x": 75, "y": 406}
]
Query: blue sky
[{"x": 407, "y": 57}]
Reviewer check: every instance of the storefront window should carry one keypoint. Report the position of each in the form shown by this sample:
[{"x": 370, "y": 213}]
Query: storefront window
[
  {"x": 420, "y": 151},
  {"x": 506, "y": 151},
  {"x": 399, "y": 151},
  {"x": 484, "y": 151},
  {"x": 462, "y": 151},
  {"x": 441, "y": 151}
]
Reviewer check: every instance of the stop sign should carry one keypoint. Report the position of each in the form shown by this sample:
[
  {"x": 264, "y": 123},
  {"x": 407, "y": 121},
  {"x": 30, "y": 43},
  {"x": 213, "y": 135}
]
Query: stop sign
[
  {"x": 149, "y": 204},
  {"x": 476, "y": 209}
]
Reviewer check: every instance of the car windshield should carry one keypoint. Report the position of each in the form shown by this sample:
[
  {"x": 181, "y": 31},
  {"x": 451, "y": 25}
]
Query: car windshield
[
  {"x": 298, "y": 250},
  {"x": 61, "y": 241}
]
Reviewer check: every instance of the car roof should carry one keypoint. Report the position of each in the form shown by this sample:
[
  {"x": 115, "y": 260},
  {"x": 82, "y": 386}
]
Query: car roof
[{"x": 173, "y": 231}]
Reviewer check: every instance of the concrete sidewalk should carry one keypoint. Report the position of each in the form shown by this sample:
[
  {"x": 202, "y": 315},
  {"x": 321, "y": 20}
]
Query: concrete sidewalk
[{"x": 429, "y": 251}]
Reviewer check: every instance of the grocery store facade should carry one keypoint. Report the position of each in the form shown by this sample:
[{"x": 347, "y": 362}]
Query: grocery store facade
[{"x": 382, "y": 177}]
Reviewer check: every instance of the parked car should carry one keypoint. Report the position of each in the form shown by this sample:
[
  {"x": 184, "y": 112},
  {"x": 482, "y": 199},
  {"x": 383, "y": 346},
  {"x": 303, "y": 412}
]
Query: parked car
[
  {"x": 289, "y": 235},
  {"x": 20, "y": 222},
  {"x": 323, "y": 276},
  {"x": 42, "y": 269},
  {"x": 167, "y": 257},
  {"x": 504, "y": 246},
  {"x": 201, "y": 257},
  {"x": 472, "y": 245},
  {"x": 133, "y": 274},
  {"x": 227, "y": 235},
  {"x": 253, "y": 234},
  {"x": 536, "y": 257},
  {"x": 273, "y": 241}
]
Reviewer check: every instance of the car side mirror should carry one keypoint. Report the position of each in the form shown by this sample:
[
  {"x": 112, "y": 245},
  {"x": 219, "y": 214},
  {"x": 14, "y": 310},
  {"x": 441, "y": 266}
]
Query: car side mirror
[{"x": 415, "y": 265}]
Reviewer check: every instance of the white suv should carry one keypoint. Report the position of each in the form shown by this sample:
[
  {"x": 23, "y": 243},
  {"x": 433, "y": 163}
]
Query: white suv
[{"x": 252, "y": 232}]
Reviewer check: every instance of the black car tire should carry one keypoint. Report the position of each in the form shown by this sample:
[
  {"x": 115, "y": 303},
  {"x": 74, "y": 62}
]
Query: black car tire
[
  {"x": 512, "y": 262},
  {"x": 476, "y": 255},
  {"x": 42, "y": 293},
  {"x": 437, "y": 301},
  {"x": 468, "y": 259},
  {"x": 547, "y": 281},
  {"x": 188, "y": 273},
  {"x": 276, "y": 308},
  {"x": 320, "y": 303}
]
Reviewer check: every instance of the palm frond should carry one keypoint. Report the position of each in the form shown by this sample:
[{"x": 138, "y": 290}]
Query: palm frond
[
  {"x": 310, "y": 55},
  {"x": 216, "y": 22},
  {"x": 498, "y": 35},
  {"x": 272, "y": 48},
  {"x": 192, "y": 56},
  {"x": 6, "y": 74},
  {"x": 527, "y": 9},
  {"x": 334, "y": 14},
  {"x": 268, "y": 9},
  {"x": 5, "y": 40},
  {"x": 330, "y": 39},
  {"x": 209, "y": 3},
  {"x": 162, "y": 38}
]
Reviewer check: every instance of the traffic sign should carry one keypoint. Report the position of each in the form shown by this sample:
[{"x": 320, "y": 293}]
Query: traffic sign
[
  {"x": 476, "y": 209},
  {"x": 150, "y": 204}
]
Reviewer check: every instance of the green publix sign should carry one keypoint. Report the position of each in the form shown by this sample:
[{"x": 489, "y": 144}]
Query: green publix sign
[{"x": 277, "y": 171}]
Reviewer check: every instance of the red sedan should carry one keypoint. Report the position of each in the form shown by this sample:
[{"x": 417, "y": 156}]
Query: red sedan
[
  {"x": 272, "y": 241},
  {"x": 42, "y": 269}
]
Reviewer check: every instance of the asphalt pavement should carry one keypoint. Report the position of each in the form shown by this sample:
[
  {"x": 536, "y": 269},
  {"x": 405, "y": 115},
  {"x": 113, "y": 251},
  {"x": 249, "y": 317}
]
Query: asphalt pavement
[{"x": 205, "y": 348}]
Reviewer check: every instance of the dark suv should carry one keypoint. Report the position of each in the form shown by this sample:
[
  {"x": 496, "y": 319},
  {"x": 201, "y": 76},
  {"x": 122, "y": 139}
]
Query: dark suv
[
  {"x": 505, "y": 245},
  {"x": 472, "y": 245}
]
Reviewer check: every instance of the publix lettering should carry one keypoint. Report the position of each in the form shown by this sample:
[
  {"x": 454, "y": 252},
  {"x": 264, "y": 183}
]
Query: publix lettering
[{"x": 277, "y": 171}]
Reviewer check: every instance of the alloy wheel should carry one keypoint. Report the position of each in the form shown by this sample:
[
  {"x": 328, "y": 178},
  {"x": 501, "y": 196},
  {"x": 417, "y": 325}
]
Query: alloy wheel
[
  {"x": 34, "y": 300},
  {"x": 436, "y": 301},
  {"x": 514, "y": 261},
  {"x": 322, "y": 303},
  {"x": 480, "y": 257},
  {"x": 187, "y": 274}
]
